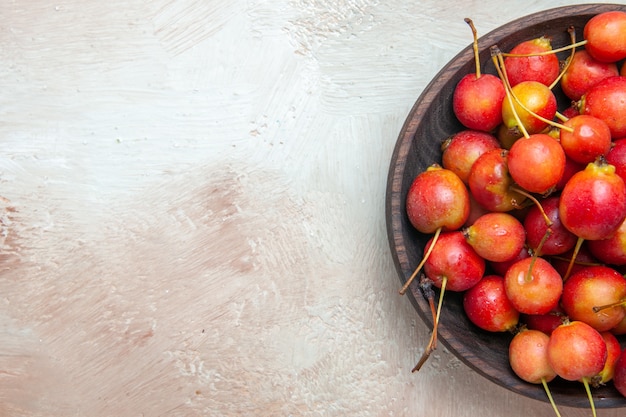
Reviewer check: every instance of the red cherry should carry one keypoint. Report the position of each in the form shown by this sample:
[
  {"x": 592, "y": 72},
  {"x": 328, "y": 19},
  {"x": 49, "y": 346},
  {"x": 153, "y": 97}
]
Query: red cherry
[
  {"x": 590, "y": 138},
  {"x": 613, "y": 350},
  {"x": 612, "y": 250},
  {"x": 437, "y": 199},
  {"x": 606, "y": 36},
  {"x": 490, "y": 182},
  {"x": 533, "y": 286},
  {"x": 488, "y": 307},
  {"x": 542, "y": 68},
  {"x": 528, "y": 356},
  {"x": 595, "y": 286},
  {"x": 607, "y": 101},
  {"x": 559, "y": 241},
  {"x": 617, "y": 156},
  {"x": 460, "y": 151},
  {"x": 593, "y": 202},
  {"x": 576, "y": 351},
  {"x": 477, "y": 98},
  {"x": 536, "y": 163},
  {"x": 619, "y": 375},
  {"x": 537, "y": 98},
  {"x": 454, "y": 260},
  {"x": 584, "y": 72},
  {"x": 495, "y": 236}
]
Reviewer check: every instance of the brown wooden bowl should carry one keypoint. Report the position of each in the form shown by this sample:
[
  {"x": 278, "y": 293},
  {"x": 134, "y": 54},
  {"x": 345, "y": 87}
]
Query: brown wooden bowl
[{"x": 430, "y": 121}]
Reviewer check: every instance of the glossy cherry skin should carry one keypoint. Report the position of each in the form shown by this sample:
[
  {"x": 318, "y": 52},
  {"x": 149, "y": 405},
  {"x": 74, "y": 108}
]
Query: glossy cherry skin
[
  {"x": 583, "y": 73},
  {"x": 461, "y": 150},
  {"x": 437, "y": 199},
  {"x": 590, "y": 138},
  {"x": 477, "y": 101},
  {"x": 528, "y": 356},
  {"x": 536, "y": 163},
  {"x": 605, "y": 34},
  {"x": 559, "y": 241},
  {"x": 537, "y": 292},
  {"x": 490, "y": 182},
  {"x": 593, "y": 202},
  {"x": 591, "y": 287},
  {"x": 533, "y": 67},
  {"x": 607, "y": 101},
  {"x": 488, "y": 307},
  {"x": 453, "y": 258},
  {"x": 576, "y": 351}
]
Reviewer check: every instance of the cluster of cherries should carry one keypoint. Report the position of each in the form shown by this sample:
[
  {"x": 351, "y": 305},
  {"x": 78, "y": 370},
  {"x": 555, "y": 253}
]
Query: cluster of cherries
[{"x": 527, "y": 209}]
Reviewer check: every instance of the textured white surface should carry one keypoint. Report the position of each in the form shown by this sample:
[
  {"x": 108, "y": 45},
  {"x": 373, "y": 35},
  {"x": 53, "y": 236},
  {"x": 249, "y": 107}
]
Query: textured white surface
[{"x": 194, "y": 215}]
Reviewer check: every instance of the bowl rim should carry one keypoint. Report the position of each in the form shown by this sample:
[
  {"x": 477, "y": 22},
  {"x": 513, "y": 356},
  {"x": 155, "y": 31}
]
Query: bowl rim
[{"x": 394, "y": 205}]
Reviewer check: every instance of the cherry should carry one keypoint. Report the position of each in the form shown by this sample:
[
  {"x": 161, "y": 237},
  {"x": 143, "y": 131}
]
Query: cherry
[
  {"x": 488, "y": 307},
  {"x": 605, "y": 34},
  {"x": 536, "y": 163},
  {"x": 495, "y": 236},
  {"x": 559, "y": 240},
  {"x": 478, "y": 97},
  {"x": 490, "y": 182},
  {"x": 577, "y": 352},
  {"x": 532, "y": 64},
  {"x": 617, "y": 156},
  {"x": 572, "y": 110},
  {"x": 437, "y": 199},
  {"x": 531, "y": 98},
  {"x": 460, "y": 151},
  {"x": 611, "y": 250},
  {"x": 454, "y": 261},
  {"x": 591, "y": 287},
  {"x": 607, "y": 101},
  {"x": 528, "y": 357},
  {"x": 593, "y": 202},
  {"x": 613, "y": 350},
  {"x": 545, "y": 323},
  {"x": 583, "y": 73},
  {"x": 533, "y": 286},
  {"x": 619, "y": 373},
  {"x": 589, "y": 138}
]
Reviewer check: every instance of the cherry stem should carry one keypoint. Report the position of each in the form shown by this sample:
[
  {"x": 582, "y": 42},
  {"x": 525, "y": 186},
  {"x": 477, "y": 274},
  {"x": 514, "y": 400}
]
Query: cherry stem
[
  {"x": 535, "y": 201},
  {"x": 550, "y": 52},
  {"x": 560, "y": 258},
  {"x": 579, "y": 243},
  {"x": 549, "y": 394},
  {"x": 588, "y": 389},
  {"x": 426, "y": 285},
  {"x": 432, "y": 343},
  {"x": 498, "y": 61},
  {"x": 572, "y": 33},
  {"x": 474, "y": 45},
  {"x": 421, "y": 264},
  {"x": 545, "y": 237},
  {"x": 561, "y": 117},
  {"x": 621, "y": 302}
]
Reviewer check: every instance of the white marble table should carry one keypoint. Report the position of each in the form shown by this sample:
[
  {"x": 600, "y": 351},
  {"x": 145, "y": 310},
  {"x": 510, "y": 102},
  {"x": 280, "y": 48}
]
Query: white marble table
[{"x": 194, "y": 215}]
